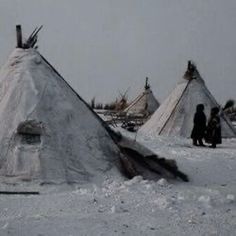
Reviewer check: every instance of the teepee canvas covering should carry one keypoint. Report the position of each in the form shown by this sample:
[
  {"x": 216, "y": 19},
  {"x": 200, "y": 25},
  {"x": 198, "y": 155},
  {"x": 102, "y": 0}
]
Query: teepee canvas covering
[
  {"x": 145, "y": 103},
  {"x": 175, "y": 115},
  {"x": 48, "y": 133}
]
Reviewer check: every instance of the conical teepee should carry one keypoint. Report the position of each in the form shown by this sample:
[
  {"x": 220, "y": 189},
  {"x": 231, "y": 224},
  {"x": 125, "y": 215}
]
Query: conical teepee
[
  {"x": 48, "y": 133},
  {"x": 145, "y": 104},
  {"x": 175, "y": 115}
]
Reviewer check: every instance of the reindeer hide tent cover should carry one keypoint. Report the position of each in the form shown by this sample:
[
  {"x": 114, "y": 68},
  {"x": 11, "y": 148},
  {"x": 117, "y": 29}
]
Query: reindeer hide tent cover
[
  {"x": 145, "y": 103},
  {"x": 175, "y": 115},
  {"x": 45, "y": 127},
  {"x": 48, "y": 132}
]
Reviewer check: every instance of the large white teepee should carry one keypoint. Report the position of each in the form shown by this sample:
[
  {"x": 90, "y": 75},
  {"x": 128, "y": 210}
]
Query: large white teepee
[
  {"x": 145, "y": 104},
  {"x": 175, "y": 115},
  {"x": 48, "y": 133}
]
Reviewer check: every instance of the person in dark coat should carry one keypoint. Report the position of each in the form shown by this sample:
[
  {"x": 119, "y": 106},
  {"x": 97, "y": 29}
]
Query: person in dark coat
[
  {"x": 213, "y": 133},
  {"x": 199, "y": 126}
]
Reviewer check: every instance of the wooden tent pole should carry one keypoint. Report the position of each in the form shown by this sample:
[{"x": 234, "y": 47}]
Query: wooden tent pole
[
  {"x": 18, "y": 36},
  {"x": 146, "y": 83}
]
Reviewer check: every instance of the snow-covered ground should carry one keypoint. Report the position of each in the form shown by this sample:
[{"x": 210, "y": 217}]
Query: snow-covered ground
[{"x": 204, "y": 206}]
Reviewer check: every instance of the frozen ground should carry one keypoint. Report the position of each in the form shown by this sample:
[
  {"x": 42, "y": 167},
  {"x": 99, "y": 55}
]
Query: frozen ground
[{"x": 204, "y": 206}]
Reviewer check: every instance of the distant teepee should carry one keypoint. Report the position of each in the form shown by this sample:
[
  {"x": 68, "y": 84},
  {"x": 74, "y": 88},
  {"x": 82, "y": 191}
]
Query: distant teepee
[
  {"x": 145, "y": 104},
  {"x": 175, "y": 115}
]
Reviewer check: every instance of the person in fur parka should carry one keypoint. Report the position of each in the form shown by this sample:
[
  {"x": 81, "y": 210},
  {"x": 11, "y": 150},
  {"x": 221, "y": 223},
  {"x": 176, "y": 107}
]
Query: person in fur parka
[
  {"x": 213, "y": 131},
  {"x": 199, "y": 126}
]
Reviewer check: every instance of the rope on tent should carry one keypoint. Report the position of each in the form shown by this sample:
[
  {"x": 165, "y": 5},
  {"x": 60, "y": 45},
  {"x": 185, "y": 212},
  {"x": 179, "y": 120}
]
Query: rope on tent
[
  {"x": 135, "y": 101},
  {"x": 175, "y": 107}
]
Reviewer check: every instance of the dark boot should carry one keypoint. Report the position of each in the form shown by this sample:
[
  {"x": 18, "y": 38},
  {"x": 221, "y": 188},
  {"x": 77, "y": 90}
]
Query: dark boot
[
  {"x": 201, "y": 143},
  {"x": 195, "y": 142},
  {"x": 213, "y": 145}
]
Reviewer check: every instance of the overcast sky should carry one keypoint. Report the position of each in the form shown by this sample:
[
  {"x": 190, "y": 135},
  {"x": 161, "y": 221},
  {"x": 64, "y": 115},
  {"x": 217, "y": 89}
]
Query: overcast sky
[{"x": 102, "y": 47}]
